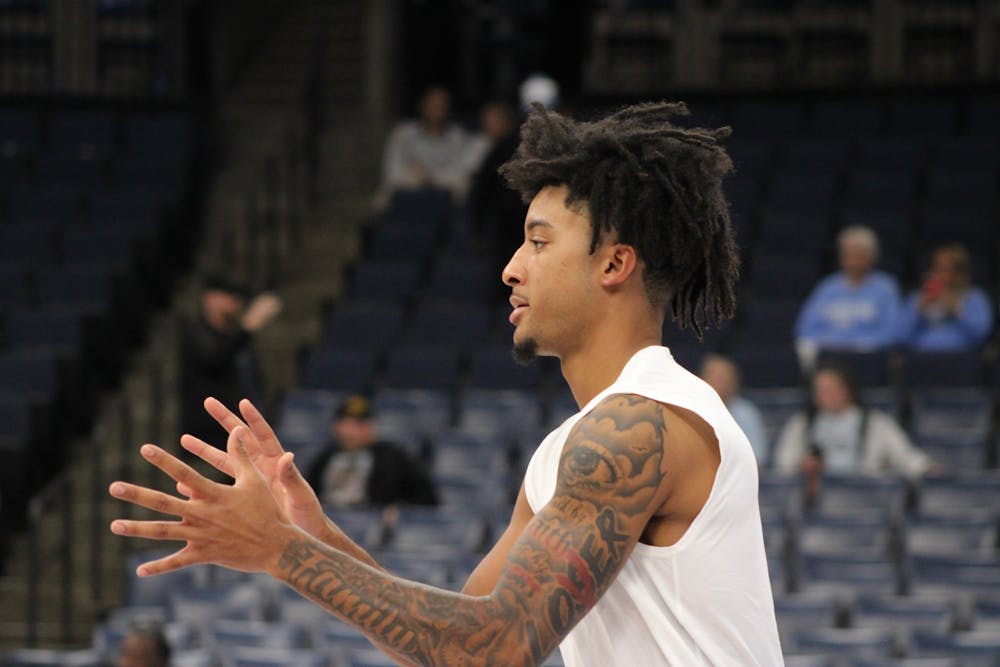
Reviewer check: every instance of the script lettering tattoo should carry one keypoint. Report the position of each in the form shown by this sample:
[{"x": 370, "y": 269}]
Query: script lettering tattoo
[{"x": 610, "y": 479}]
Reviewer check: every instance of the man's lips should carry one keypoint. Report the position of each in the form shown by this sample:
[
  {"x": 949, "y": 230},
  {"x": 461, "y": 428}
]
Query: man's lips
[{"x": 519, "y": 305}]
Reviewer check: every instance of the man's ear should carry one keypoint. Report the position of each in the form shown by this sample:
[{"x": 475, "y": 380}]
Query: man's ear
[{"x": 619, "y": 262}]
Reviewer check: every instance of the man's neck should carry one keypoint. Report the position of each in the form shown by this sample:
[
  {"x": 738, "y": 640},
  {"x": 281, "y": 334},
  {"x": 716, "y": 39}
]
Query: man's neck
[{"x": 595, "y": 366}]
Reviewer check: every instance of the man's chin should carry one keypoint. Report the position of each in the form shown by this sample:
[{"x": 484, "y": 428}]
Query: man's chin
[{"x": 525, "y": 351}]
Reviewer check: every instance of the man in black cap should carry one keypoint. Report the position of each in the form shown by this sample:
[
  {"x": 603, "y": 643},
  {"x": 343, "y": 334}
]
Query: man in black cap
[
  {"x": 215, "y": 349},
  {"x": 357, "y": 469}
]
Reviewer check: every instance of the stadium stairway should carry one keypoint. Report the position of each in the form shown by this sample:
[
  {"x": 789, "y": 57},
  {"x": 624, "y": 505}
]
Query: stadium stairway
[{"x": 349, "y": 151}]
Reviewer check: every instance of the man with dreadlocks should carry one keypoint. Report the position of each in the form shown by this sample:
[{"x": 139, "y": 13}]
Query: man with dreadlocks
[{"x": 636, "y": 538}]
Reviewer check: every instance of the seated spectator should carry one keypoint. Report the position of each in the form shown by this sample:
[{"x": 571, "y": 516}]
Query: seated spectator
[
  {"x": 946, "y": 314},
  {"x": 144, "y": 647},
  {"x": 358, "y": 470},
  {"x": 722, "y": 375},
  {"x": 497, "y": 123},
  {"x": 855, "y": 309},
  {"x": 839, "y": 435},
  {"x": 429, "y": 152}
]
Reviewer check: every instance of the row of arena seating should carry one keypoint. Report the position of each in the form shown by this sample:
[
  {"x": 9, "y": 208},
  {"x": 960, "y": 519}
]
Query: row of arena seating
[
  {"x": 848, "y": 596},
  {"x": 94, "y": 210}
]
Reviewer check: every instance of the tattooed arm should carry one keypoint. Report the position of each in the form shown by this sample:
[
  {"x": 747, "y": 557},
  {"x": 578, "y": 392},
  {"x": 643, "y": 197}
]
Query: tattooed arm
[{"x": 611, "y": 481}]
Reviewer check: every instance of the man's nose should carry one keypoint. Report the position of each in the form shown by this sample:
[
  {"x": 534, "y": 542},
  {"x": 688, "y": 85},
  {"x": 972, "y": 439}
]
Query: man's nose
[{"x": 513, "y": 273}]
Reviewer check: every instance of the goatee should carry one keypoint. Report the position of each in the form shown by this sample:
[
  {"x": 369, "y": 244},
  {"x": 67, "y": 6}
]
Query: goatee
[{"x": 526, "y": 352}]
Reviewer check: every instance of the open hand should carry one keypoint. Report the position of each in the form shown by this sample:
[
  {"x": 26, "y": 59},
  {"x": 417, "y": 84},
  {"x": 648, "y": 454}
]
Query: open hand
[
  {"x": 290, "y": 490},
  {"x": 238, "y": 526}
]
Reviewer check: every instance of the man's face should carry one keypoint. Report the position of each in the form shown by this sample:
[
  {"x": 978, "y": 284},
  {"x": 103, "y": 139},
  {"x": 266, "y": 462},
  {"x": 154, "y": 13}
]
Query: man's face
[
  {"x": 552, "y": 276},
  {"x": 435, "y": 107},
  {"x": 353, "y": 433},
  {"x": 855, "y": 258},
  {"x": 138, "y": 651},
  {"x": 944, "y": 268},
  {"x": 222, "y": 308},
  {"x": 830, "y": 394}
]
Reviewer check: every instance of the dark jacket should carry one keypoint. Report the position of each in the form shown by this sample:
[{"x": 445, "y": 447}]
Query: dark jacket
[
  {"x": 213, "y": 363},
  {"x": 395, "y": 477}
]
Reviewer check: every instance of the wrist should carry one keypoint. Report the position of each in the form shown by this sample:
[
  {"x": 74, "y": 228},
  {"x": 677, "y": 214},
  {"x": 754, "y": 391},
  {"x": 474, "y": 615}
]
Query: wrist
[{"x": 284, "y": 540}]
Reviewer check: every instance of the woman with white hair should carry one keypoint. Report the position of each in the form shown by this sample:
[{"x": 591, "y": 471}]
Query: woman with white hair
[{"x": 855, "y": 309}]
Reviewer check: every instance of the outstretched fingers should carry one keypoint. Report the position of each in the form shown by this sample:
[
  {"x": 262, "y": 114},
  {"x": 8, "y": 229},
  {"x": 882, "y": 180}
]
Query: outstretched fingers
[
  {"x": 177, "y": 470},
  {"x": 211, "y": 455},
  {"x": 265, "y": 435},
  {"x": 175, "y": 561}
]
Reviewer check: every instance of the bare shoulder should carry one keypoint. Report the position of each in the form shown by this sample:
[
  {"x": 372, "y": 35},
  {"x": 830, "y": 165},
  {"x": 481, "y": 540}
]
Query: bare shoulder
[
  {"x": 617, "y": 450},
  {"x": 645, "y": 457}
]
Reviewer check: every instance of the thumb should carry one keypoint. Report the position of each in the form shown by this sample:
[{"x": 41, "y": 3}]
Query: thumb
[{"x": 292, "y": 480}]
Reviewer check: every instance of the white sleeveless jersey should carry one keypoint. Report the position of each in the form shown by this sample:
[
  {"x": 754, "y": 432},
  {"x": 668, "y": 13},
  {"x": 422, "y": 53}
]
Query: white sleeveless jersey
[{"x": 705, "y": 600}]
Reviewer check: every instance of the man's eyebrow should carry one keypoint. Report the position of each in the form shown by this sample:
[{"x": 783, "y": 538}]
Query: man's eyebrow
[{"x": 537, "y": 222}]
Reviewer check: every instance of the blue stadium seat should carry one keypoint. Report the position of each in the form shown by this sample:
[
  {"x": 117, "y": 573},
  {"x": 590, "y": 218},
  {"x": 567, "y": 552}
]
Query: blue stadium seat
[
  {"x": 784, "y": 278},
  {"x": 401, "y": 243},
  {"x": 42, "y": 204},
  {"x": 770, "y": 320},
  {"x": 852, "y": 534},
  {"x": 227, "y": 632},
  {"x": 52, "y": 658},
  {"x": 464, "y": 279},
  {"x": 88, "y": 130},
  {"x": 796, "y": 611},
  {"x": 421, "y": 367},
  {"x": 902, "y": 662},
  {"x": 494, "y": 368},
  {"x": 820, "y": 156},
  {"x": 343, "y": 370},
  {"x": 891, "y": 155},
  {"x": 57, "y": 329},
  {"x": 847, "y": 119},
  {"x": 19, "y": 131},
  {"x": 767, "y": 366},
  {"x": 275, "y": 657},
  {"x": 943, "y": 369},
  {"x": 951, "y": 535},
  {"x": 455, "y": 323},
  {"x": 922, "y": 118},
  {"x": 305, "y": 417},
  {"x": 808, "y": 660},
  {"x": 386, "y": 280},
  {"x": 777, "y": 405},
  {"x": 363, "y": 325},
  {"x": 847, "y": 641},
  {"x": 421, "y": 412},
  {"x": 944, "y": 410},
  {"x": 427, "y": 207},
  {"x": 850, "y": 495},
  {"x": 955, "y": 495},
  {"x": 868, "y": 369},
  {"x": 903, "y": 614},
  {"x": 499, "y": 413},
  {"x": 973, "y": 649}
]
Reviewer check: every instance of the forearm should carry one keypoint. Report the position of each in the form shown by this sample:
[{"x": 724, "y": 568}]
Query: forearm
[
  {"x": 415, "y": 623},
  {"x": 332, "y": 536}
]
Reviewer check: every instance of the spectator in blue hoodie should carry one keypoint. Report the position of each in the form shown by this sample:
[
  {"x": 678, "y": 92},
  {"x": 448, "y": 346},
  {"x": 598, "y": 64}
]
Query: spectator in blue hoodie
[
  {"x": 947, "y": 314},
  {"x": 855, "y": 309}
]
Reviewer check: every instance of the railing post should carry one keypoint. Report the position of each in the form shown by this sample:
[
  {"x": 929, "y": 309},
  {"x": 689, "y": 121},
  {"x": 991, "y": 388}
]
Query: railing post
[
  {"x": 66, "y": 559},
  {"x": 34, "y": 574},
  {"x": 97, "y": 527}
]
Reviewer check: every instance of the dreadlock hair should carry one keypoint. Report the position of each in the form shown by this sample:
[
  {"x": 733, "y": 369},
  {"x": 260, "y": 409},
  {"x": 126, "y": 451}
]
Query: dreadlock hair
[{"x": 648, "y": 184}]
